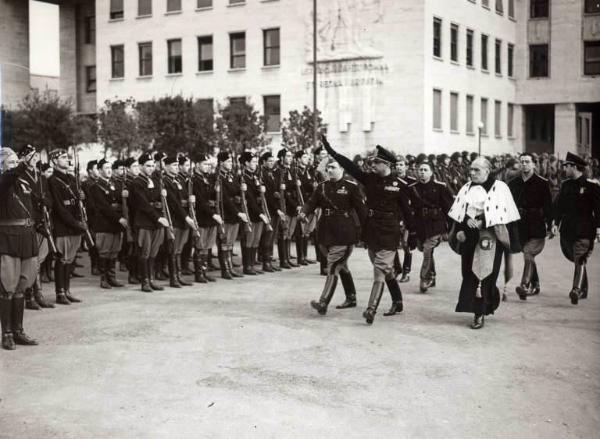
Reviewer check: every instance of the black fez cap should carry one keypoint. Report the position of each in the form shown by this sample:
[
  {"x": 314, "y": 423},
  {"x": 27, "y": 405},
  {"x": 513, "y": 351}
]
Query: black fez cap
[
  {"x": 116, "y": 164},
  {"x": 223, "y": 156},
  {"x": 246, "y": 156},
  {"x": 91, "y": 164},
  {"x": 56, "y": 153},
  {"x": 200, "y": 157},
  {"x": 385, "y": 155},
  {"x": 183, "y": 159},
  {"x": 101, "y": 163},
  {"x": 25, "y": 151},
  {"x": 129, "y": 161},
  {"x": 145, "y": 157},
  {"x": 299, "y": 154},
  {"x": 575, "y": 159},
  {"x": 170, "y": 160},
  {"x": 44, "y": 167},
  {"x": 159, "y": 155},
  {"x": 318, "y": 150},
  {"x": 442, "y": 157},
  {"x": 455, "y": 155},
  {"x": 266, "y": 156},
  {"x": 281, "y": 153}
]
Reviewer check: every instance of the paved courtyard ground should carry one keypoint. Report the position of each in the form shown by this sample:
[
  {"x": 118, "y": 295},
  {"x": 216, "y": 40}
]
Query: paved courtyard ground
[{"x": 250, "y": 359}]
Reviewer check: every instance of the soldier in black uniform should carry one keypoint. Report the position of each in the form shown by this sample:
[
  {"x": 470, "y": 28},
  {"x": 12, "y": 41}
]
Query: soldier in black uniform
[
  {"x": 406, "y": 266},
  {"x": 304, "y": 175},
  {"x": 388, "y": 208},
  {"x": 430, "y": 200},
  {"x": 18, "y": 247},
  {"x": 86, "y": 186},
  {"x": 287, "y": 190},
  {"x": 269, "y": 177},
  {"x": 534, "y": 200},
  {"x": 132, "y": 170},
  {"x": 149, "y": 222},
  {"x": 178, "y": 201},
  {"x": 339, "y": 230},
  {"x": 253, "y": 189},
  {"x": 206, "y": 216},
  {"x": 577, "y": 210},
  {"x": 68, "y": 224},
  {"x": 108, "y": 223},
  {"x": 232, "y": 214}
]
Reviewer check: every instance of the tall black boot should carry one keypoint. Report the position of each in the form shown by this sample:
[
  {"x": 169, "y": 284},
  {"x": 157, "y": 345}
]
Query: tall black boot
[
  {"x": 19, "y": 336},
  {"x": 267, "y": 267},
  {"x": 8, "y": 341},
  {"x": 210, "y": 265},
  {"x": 349, "y": 290},
  {"x": 30, "y": 302},
  {"x": 397, "y": 264},
  {"x": 173, "y": 279},
  {"x": 300, "y": 259},
  {"x": 134, "y": 276},
  {"x": 253, "y": 262},
  {"x": 281, "y": 253},
  {"x": 179, "y": 272},
  {"x": 396, "y": 294},
  {"x": 406, "y": 266},
  {"x": 288, "y": 253},
  {"x": 224, "y": 264},
  {"x": 523, "y": 289},
  {"x": 38, "y": 296},
  {"x": 68, "y": 294},
  {"x": 374, "y": 299},
  {"x": 198, "y": 269},
  {"x": 535, "y": 282},
  {"x": 575, "y": 293},
  {"x": 59, "y": 283},
  {"x": 94, "y": 262},
  {"x": 185, "y": 258},
  {"x": 232, "y": 271},
  {"x": 204, "y": 265},
  {"x": 50, "y": 262},
  {"x": 247, "y": 262},
  {"x": 144, "y": 275},
  {"x": 584, "y": 284},
  {"x": 44, "y": 270},
  {"x": 103, "y": 267},
  {"x": 150, "y": 270},
  {"x": 305, "y": 251},
  {"x": 112, "y": 273},
  {"x": 326, "y": 295}
]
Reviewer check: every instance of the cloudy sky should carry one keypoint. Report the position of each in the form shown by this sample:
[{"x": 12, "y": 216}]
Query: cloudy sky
[{"x": 43, "y": 38}]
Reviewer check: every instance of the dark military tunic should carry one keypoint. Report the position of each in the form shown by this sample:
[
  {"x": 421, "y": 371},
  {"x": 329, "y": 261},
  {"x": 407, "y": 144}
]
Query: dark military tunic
[
  {"x": 271, "y": 182},
  {"x": 307, "y": 180},
  {"x": 430, "y": 202},
  {"x": 342, "y": 212},
  {"x": 177, "y": 200},
  {"x": 146, "y": 203},
  {"x": 253, "y": 202},
  {"x": 206, "y": 199},
  {"x": 534, "y": 201},
  {"x": 106, "y": 198},
  {"x": 232, "y": 197},
  {"x": 284, "y": 176},
  {"x": 66, "y": 215}
]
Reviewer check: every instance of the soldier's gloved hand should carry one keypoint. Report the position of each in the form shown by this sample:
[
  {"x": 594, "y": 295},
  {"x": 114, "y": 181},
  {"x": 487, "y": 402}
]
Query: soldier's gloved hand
[
  {"x": 124, "y": 193},
  {"x": 163, "y": 193},
  {"x": 263, "y": 189},
  {"x": 243, "y": 217},
  {"x": 190, "y": 222},
  {"x": 298, "y": 183},
  {"x": 217, "y": 218},
  {"x": 163, "y": 222},
  {"x": 123, "y": 222},
  {"x": 264, "y": 218},
  {"x": 82, "y": 226},
  {"x": 301, "y": 216},
  {"x": 82, "y": 195},
  {"x": 192, "y": 199},
  {"x": 281, "y": 214},
  {"x": 244, "y": 187}
]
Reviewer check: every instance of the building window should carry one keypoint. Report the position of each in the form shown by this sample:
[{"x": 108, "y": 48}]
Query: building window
[
  {"x": 90, "y": 79},
  {"x": 90, "y": 30},
  {"x": 454, "y": 42},
  {"x": 173, "y": 5},
  {"x": 116, "y": 9},
  {"x": 204, "y": 4},
  {"x": 510, "y": 60},
  {"x": 174, "y": 54},
  {"x": 592, "y": 6},
  {"x": 437, "y": 37},
  {"x": 469, "y": 48},
  {"x": 484, "y": 116},
  {"x": 271, "y": 47},
  {"x": 497, "y": 118},
  {"x": 237, "y": 50},
  {"x": 499, "y": 7},
  {"x": 454, "y": 112},
  {"x": 539, "y": 8},
  {"x": 145, "y": 54},
  {"x": 437, "y": 109},
  {"x": 117, "y": 61},
  {"x": 538, "y": 60},
  {"x": 144, "y": 8},
  {"x": 469, "y": 114},
  {"x": 485, "y": 3},
  {"x": 272, "y": 113},
  {"x": 205, "y": 53},
  {"x": 236, "y": 2},
  {"x": 510, "y": 116},
  {"x": 498, "y": 50},
  {"x": 511, "y": 8},
  {"x": 591, "y": 58},
  {"x": 484, "y": 52}
]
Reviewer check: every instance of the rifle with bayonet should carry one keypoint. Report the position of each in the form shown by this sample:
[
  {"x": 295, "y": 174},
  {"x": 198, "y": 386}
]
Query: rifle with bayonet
[
  {"x": 263, "y": 200},
  {"x": 82, "y": 212}
]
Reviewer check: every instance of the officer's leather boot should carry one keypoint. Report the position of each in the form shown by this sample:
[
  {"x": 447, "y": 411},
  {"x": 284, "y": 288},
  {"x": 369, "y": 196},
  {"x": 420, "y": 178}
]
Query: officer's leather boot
[
  {"x": 300, "y": 259},
  {"x": 349, "y": 290},
  {"x": 19, "y": 336},
  {"x": 50, "y": 268},
  {"x": 575, "y": 293},
  {"x": 247, "y": 261},
  {"x": 198, "y": 269},
  {"x": 173, "y": 279},
  {"x": 150, "y": 272},
  {"x": 267, "y": 267},
  {"x": 478, "y": 321},
  {"x": 134, "y": 275},
  {"x": 186, "y": 256},
  {"x": 323, "y": 266},
  {"x": 59, "y": 283},
  {"x": 305, "y": 251},
  {"x": 144, "y": 275},
  {"x": 232, "y": 271},
  {"x": 326, "y": 295},
  {"x": 397, "y": 264},
  {"x": 204, "y": 265},
  {"x": 179, "y": 272},
  {"x": 67, "y": 278},
  {"x": 396, "y": 294},
  {"x": 8, "y": 341},
  {"x": 270, "y": 259},
  {"x": 584, "y": 284},
  {"x": 253, "y": 261},
  {"x": 288, "y": 253},
  {"x": 535, "y": 283},
  {"x": 44, "y": 270},
  {"x": 103, "y": 267},
  {"x": 406, "y": 267},
  {"x": 224, "y": 264},
  {"x": 112, "y": 273},
  {"x": 30, "y": 302},
  {"x": 523, "y": 289},
  {"x": 210, "y": 264},
  {"x": 38, "y": 296},
  {"x": 94, "y": 262},
  {"x": 281, "y": 253},
  {"x": 374, "y": 299}
]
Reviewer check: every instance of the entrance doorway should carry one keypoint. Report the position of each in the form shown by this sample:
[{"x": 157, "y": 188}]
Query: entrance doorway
[{"x": 539, "y": 128}]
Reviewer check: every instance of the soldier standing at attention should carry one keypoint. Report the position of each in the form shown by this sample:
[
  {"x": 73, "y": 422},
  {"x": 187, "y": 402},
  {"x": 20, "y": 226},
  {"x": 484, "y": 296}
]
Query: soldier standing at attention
[
  {"x": 406, "y": 266},
  {"x": 341, "y": 202},
  {"x": 534, "y": 201},
  {"x": 86, "y": 186},
  {"x": 18, "y": 247},
  {"x": 388, "y": 209},
  {"x": 287, "y": 190},
  {"x": 267, "y": 240},
  {"x": 577, "y": 210}
]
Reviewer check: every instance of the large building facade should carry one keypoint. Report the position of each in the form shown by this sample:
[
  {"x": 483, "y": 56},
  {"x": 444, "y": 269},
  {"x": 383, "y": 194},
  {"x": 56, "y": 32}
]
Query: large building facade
[{"x": 415, "y": 75}]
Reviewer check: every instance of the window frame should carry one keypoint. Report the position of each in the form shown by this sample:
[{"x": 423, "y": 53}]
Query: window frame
[
  {"x": 498, "y": 56},
  {"x": 586, "y": 44},
  {"x": 469, "y": 48},
  {"x": 266, "y": 117},
  {"x": 89, "y": 81},
  {"x": 533, "y": 4},
  {"x": 454, "y": 44},
  {"x": 500, "y": 9},
  {"x": 497, "y": 119},
  {"x": 483, "y": 116},
  {"x": 232, "y": 57},
  {"x": 171, "y": 59},
  {"x": 532, "y": 63},
  {"x": 438, "y": 21},
  {"x": 212, "y": 59},
  {"x": 113, "y": 12},
  {"x": 470, "y": 119},
  {"x": 437, "y": 92},
  {"x": 173, "y": 11},
  {"x": 454, "y": 111},
  {"x": 89, "y": 34},
  {"x": 113, "y": 62},
  {"x": 587, "y": 6},
  {"x": 143, "y": 61},
  {"x": 510, "y": 60},
  {"x": 268, "y": 48},
  {"x": 510, "y": 120},
  {"x": 484, "y": 52},
  {"x": 139, "y": 12},
  {"x": 198, "y": 7}
]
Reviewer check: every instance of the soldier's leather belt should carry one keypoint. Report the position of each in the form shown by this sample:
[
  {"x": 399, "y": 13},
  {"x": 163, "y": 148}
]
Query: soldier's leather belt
[
  {"x": 156, "y": 204},
  {"x": 334, "y": 212},
  {"x": 23, "y": 222},
  {"x": 372, "y": 213},
  {"x": 431, "y": 211}
]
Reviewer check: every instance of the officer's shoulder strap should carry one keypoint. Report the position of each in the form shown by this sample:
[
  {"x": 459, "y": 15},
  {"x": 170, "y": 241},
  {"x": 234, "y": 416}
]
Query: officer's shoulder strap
[
  {"x": 441, "y": 183},
  {"x": 542, "y": 178},
  {"x": 412, "y": 184},
  {"x": 347, "y": 180},
  {"x": 594, "y": 181},
  {"x": 403, "y": 181}
]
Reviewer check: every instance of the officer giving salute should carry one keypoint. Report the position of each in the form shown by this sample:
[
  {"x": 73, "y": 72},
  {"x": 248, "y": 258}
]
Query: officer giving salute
[
  {"x": 387, "y": 210},
  {"x": 577, "y": 210},
  {"x": 338, "y": 230}
]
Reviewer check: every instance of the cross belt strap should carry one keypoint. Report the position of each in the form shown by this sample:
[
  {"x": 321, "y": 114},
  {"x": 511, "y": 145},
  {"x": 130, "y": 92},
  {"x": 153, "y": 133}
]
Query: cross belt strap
[{"x": 24, "y": 222}]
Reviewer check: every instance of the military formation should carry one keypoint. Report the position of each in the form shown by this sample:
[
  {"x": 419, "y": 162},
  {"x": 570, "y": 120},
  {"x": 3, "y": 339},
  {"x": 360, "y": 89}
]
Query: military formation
[{"x": 176, "y": 219}]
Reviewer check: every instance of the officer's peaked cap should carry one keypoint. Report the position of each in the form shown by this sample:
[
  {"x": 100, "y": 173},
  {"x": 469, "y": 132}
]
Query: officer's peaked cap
[{"x": 575, "y": 159}]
